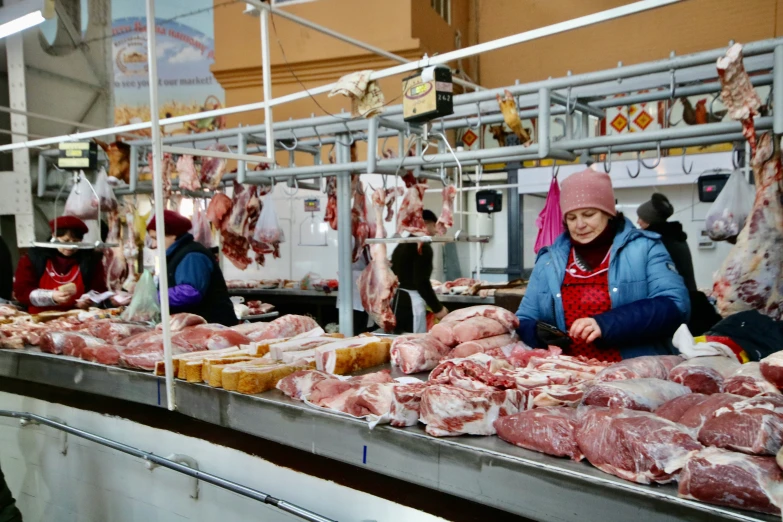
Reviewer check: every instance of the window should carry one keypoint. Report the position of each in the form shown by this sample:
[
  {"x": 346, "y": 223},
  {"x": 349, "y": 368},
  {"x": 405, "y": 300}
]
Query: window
[{"x": 443, "y": 8}]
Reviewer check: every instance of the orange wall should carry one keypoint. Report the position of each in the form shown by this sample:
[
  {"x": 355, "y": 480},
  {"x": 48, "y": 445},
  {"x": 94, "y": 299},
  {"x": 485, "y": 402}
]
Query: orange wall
[{"x": 685, "y": 27}]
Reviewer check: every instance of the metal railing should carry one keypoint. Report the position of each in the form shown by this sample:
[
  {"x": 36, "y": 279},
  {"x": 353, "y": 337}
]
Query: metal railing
[{"x": 239, "y": 489}]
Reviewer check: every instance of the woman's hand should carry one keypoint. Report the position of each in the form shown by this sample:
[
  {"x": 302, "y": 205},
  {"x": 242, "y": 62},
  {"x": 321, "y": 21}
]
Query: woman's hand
[
  {"x": 586, "y": 329},
  {"x": 443, "y": 312},
  {"x": 61, "y": 297}
]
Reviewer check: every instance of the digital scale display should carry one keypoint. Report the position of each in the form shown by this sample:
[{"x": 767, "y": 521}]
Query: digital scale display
[{"x": 312, "y": 205}]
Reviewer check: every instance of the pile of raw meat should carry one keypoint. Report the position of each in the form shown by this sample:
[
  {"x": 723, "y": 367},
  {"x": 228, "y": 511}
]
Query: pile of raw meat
[
  {"x": 709, "y": 423},
  {"x": 113, "y": 342}
]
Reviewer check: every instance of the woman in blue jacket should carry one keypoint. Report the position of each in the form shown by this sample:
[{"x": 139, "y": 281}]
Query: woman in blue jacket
[{"x": 611, "y": 287}]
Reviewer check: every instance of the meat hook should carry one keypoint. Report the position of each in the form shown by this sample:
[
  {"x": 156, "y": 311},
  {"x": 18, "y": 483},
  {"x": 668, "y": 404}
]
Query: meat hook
[
  {"x": 688, "y": 170},
  {"x": 295, "y": 192},
  {"x": 608, "y": 156},
  {"x": 712, "y": 106},
  {"x": 478, "y": 125},
  {"x": 451, "y": 151},
  {"x": 569, "y": 108},
  {"x": 669, "y": 114},
  {"x": 638, "y": 167},
  {"x": 735, "y": 158},
  {"x": 672, "y": 86},
  {"x": 292, "y": 147},
  {"x": 657, "y": 161},
  {"x": 318, "y": 135},
  {"x": 350, "y": 134}
]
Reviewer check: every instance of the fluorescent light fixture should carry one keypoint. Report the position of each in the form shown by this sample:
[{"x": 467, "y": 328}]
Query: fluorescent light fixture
[{"x": 23, "y": 15}]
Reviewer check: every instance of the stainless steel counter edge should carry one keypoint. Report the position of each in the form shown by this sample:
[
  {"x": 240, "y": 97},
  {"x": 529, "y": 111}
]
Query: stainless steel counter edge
[{"x": 482, "y": 469}]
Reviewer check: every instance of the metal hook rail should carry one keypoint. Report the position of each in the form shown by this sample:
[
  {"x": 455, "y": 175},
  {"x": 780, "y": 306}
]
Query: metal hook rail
[{"x": 283, "y": 505}]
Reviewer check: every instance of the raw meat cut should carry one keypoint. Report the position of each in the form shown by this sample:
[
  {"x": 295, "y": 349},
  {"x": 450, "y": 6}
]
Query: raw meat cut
[
  {"x": 557, "y": 395},
  {"x": 219, "y": 210},
  {"x": 446, "y": 218},
  {"x": 209, "y": 337},
  {"x": 391, "y": 195},
  {"x": 501, "y": 315},
  {"x": 406, "y": 404},
  {"x": 732, "y": 479},
  {"x": 701, "y": 412},
  {"x": 410, "y": 217},
  {"x": 674, "y": 409},
  {"x": 647, "y": 366},
  {"x": 752, "y": 426},
  {"x": 179, "y": 321},
  {"x": 113, "y": 331},
  {"x": 239, "y": 208},
  {"x": 737, "y": 92},
  {"x": 704, "y": 374},
  {"x": 118, "y": 153},
  {"x": 234, "y": 233},
  {"x": 546, "y": 430},
  {"x": 470, "y": 373},
  {"x": 634, "y": 394},
  {"x": 104, "y": 354},
  {"x": 483, "y": 345},
  {"x": 330, "y": 214},
  {"x": 751, "y": 277},
  {"x": 519, "y": 354},
  {"x": 299, "y": 384},
  {"x": 212, "y": 169},
  {"x": 360, "y": 228},
  {"x": 377, "y": 283},
  {"x": 526, "y": 379},
  {"x": 634, "y": 445},
  {"x": 188, "y": 177},
  {"x": 287, "y": 326},
  {"x": 68, "y": 343},
  {"x": 748, "y": 381},
  {"x": 114, "y": 264},
  {"x": 581, "y": 367},
  {"x": 277, "y": 350},
  {"x": 476, "y": 328},
  {"x": 354, "y": 398},
  {"x": 772, "y": 369},
  {"x": 417, "y": 352},
  {"x": 449, "y": 411}
]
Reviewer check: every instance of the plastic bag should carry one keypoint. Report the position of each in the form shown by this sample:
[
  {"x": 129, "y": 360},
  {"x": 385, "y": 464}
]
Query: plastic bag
[
  {"x": 268, "y": 228},
  {"x": 202, "y": 231},
  {"x": 105, "y": 193},
  {"x": 728, "y": 213},
  {"x": 82, "y": 202},
  {"x": 550, "y": 220},
  {"x": 144, "y": 307}
]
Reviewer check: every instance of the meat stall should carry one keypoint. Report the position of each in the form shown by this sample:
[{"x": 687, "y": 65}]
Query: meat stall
[{"x": 481, "y": 469}]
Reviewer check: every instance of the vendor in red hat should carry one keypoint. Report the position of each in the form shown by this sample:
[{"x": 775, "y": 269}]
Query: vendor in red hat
[
  {"x": 54, "y": 279},
  {"x": 196, "y": 283}
]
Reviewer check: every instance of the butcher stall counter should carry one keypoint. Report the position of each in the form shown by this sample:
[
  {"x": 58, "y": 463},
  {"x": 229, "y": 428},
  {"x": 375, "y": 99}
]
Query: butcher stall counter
[
  {"x": 485, "y": 470},
  {"x": 323, "y": 306}
]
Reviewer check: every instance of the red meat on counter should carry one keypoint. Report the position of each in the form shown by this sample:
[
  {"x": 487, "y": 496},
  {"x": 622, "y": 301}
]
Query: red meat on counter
[
  {"x": 648, "y": 366},
  {"x": 748, "y": 381},
  {"x": 753, "y": 426},
  {"x": 634, "y": 394},
  {"x": 704, "y": 374},
  {"x": 547, "y": 430}
]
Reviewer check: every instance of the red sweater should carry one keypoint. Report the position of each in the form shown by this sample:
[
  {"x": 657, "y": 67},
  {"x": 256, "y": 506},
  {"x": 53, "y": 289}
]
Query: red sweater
[{"x": 26, "y": 279}]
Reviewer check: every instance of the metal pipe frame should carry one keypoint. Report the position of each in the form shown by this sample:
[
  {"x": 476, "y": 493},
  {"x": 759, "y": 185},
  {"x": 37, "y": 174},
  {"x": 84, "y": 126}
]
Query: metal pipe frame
[
  {"x": 228, "y": 485},
  {"x": 344, "y": 239}
]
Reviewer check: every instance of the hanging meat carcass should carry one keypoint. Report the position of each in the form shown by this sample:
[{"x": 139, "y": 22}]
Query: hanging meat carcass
[
  {"x": 219, "y": 210},
  {"x": 114, "y": 264},
  {"x": 188, "y": 176},
  {"x": 750, "y": 278},
  {"x": 360, "y": 228},
  {"x": 213, "y": 169},
  {"x": 446, "y": 219},
  {"x": 330, "y": 215},
  {"x": 410, "y": 217},
  {"x": 391, "y": 195},
  {"x": 377, "y": 283},
  {"x": 235, "y": 242}
]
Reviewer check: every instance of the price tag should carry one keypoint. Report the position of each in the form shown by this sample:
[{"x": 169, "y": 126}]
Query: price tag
[{"x": 312, "y": 205}]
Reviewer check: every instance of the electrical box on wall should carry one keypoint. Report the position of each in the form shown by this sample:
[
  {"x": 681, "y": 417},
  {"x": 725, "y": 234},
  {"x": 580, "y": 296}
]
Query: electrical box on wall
[
  {"x": 427, "y": 95},
  {"x": 78, "y": 155},
  {"x": 489, "y": 201},
  {"x": 710, "y": 185}
]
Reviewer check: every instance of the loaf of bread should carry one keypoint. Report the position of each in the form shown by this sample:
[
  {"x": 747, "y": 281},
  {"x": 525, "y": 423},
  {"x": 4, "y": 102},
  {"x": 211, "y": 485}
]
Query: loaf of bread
[
  {"x": 160, "y": 366},
  {"x": 226, "y": 376},
  {"x": 350, "y": 355}
]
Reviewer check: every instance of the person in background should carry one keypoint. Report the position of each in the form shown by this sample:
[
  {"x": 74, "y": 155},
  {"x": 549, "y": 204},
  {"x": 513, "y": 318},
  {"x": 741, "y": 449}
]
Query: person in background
[
  {"x": 49, "y": 279},
  {"x": 653, "y": 216},
  {"x": 196, "y": 283},
  {"x": 415, "y": 293},
  {"x": 8, "y": 510},
  {"x": 612, "y": 287},
  {"x": 6, "y": 271}
]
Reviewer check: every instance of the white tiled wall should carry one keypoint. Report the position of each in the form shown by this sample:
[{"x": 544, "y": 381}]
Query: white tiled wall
[{"x": 92, "y": 483}]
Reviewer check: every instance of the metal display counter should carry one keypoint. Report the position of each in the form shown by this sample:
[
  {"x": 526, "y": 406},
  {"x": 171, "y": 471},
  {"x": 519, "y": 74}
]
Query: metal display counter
[{"x": 482, "y": 469}]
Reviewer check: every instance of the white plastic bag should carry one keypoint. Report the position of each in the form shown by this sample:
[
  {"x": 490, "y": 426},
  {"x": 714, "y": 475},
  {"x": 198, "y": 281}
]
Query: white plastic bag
[
  {"x": 144, "y": 307},
  {"x": 82, "y": 202},
  {"x": 728, "y": 213},
  {"x": 105, "y": 193},
  {"x": 202, "y": 231},
  {"x": 268, "y": 228}
]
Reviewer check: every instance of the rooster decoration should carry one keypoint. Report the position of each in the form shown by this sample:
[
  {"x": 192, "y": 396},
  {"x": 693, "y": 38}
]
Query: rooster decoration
[{"x": 699, "y": 115}]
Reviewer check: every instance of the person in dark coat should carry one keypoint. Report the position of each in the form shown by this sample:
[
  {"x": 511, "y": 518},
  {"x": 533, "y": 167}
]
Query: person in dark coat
[
  {"x": 413, "y": 268},
  {"x": 6, "y": 271},
  {"x": 49, "y": 279},
  {"x": 8, "y": 510},
  {"x": 653, "y": 216},
  {"x": 196, "y": 283}
]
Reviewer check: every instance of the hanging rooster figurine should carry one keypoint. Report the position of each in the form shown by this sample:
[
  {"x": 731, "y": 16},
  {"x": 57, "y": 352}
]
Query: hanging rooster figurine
[{"x": 511, "y": 116}]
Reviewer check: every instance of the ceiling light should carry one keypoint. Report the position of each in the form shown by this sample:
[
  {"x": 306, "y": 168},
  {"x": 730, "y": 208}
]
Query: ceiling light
[{"x": 23, "y": 15}]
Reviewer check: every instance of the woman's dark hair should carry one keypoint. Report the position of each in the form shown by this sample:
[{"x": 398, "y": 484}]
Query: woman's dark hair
[
  {"x": 429, "y": 216},
  {"x": 76, "y": 234}
]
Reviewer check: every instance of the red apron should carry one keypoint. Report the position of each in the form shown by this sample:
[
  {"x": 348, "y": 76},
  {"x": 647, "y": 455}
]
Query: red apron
[
  {"x": 585, "y": 293},
  {"x": 52, "y": 280}
]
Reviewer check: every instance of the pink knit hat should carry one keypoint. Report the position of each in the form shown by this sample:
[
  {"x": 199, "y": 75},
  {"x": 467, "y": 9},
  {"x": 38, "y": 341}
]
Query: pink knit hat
[{"x": 587, "y": 189}]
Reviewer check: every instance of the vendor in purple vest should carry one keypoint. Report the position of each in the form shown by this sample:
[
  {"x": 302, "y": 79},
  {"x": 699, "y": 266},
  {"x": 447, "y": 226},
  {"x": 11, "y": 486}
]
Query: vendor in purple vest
[{"x": 196, "y": 283}]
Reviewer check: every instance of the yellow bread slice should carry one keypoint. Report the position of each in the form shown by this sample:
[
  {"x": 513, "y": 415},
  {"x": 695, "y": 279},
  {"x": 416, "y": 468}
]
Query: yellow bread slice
[
  {"x": 160, "y": 366},
  {"x": 353, "y": 354},
  {"x": 226, "y": 376},
  {"x": 263, "y": 378},
  {"x": 194, "y": 369}
]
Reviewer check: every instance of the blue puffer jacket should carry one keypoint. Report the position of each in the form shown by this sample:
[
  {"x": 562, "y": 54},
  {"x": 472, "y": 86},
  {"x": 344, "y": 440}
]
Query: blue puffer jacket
[{"x": 649, "y": 298}]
